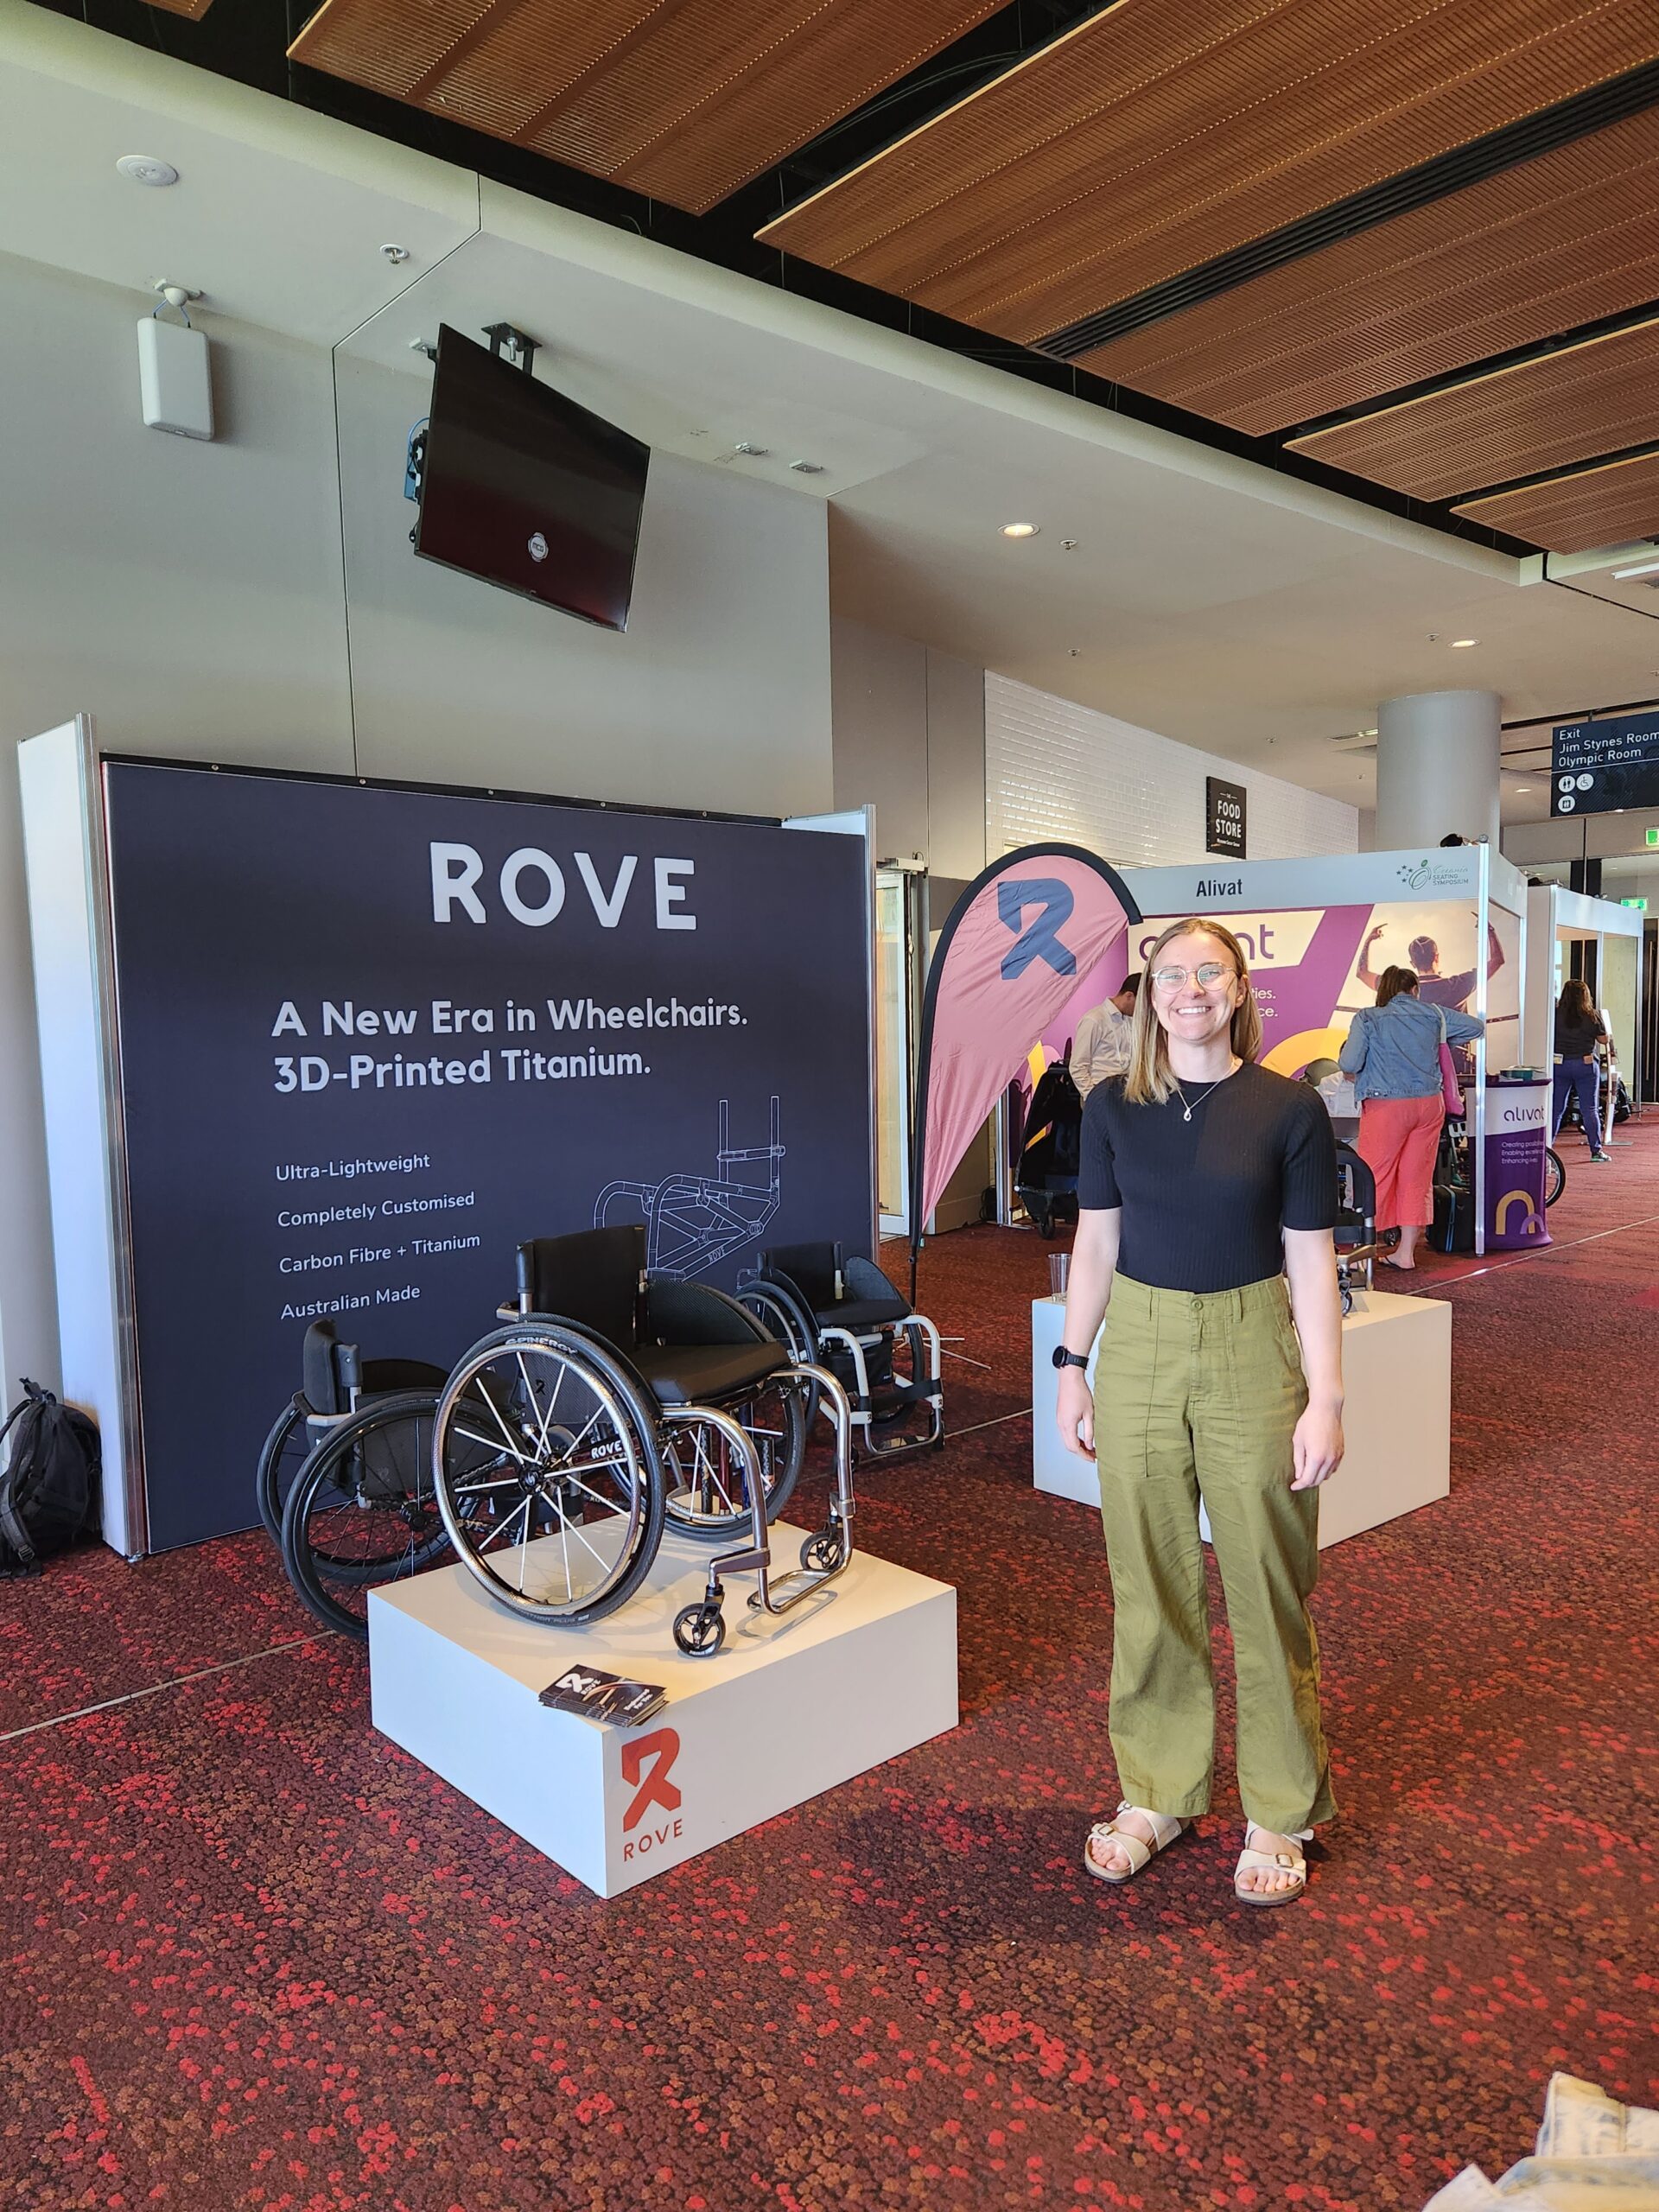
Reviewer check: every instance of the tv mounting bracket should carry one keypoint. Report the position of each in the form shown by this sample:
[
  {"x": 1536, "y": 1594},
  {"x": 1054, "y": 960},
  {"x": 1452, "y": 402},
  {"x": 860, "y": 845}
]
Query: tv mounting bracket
[{"x": 519, "y": 350}]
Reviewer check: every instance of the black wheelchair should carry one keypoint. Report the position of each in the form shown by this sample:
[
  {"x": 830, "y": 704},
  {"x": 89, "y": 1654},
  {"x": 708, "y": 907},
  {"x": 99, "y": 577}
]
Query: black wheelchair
[
  {"x": 1358, "y": 1248},
  {"x": 612, "y": 1404},
  {"x": 344, "y": 1482},
  {"x": 843, "y": 1314}
]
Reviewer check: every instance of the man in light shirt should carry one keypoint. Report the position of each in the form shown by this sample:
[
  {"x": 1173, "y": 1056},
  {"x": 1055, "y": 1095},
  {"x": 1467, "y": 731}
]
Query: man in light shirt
[{"x": 1101, "y": 1046}]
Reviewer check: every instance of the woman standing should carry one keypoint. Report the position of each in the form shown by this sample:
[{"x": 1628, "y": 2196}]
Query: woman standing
[
  {"x": 1205, "y": 1182},
  {"x": 1394, "y": 1048},
  {"x": 1579, "y": 1031}
]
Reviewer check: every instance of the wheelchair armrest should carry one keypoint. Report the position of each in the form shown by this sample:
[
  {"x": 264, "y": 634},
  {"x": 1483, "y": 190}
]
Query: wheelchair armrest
[{"x": 697, "y": 1313}]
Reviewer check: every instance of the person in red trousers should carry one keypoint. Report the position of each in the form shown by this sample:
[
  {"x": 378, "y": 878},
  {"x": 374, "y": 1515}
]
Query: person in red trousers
[{"x": 1393, "y": 1050}]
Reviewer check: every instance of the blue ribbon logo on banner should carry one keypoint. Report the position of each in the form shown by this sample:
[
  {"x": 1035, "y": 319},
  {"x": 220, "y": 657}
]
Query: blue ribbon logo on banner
[{"x": 1042, "y": 940}]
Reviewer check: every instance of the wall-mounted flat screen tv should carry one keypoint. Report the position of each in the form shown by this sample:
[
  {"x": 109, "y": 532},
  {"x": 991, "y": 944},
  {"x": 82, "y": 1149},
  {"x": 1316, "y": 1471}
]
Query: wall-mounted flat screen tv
[{"x": 527, "y": 490}]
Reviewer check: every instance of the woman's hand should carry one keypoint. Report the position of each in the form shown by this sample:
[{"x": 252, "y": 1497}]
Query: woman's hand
[
  {"x": 1316, "y": 1448},
  {"x": 1382, "y": 930},
  {"x": 1076, "y": 1412}
]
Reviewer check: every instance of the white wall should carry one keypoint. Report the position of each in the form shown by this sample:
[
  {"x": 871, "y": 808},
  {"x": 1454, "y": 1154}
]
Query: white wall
[
  {"x": 910, "y": 742},
  {"x": 1055, "y": 769},
  {"x": 192, "y": 598}
]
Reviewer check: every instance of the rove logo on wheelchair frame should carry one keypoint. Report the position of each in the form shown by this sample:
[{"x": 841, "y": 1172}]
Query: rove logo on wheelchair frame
[{"x": 646, "y": 1765}]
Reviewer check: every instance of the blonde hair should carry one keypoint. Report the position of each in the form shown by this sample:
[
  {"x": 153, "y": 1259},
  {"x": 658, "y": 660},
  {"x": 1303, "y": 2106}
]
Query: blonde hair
[{"x": 1149, "y": 1082}]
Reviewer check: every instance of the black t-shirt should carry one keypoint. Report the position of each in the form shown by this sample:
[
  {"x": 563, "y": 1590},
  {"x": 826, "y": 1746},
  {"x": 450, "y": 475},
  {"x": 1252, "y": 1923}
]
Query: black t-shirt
[
  {"x": 1576, "y": 1040},
  {"x": 1204, "y": 1201}
]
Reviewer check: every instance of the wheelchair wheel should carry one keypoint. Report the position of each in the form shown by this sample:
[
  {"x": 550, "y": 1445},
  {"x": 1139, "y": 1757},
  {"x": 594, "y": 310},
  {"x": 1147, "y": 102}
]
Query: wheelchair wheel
[
  {"x": 362, "y": 1513},
  {"x": 780, "y": 1317},
  {"x": 705, "y": 1492},
  {"x": 1555, "y": 1176},
  {"x": 286, "y": 1449},
  {"x": 545, "y": 1463}
]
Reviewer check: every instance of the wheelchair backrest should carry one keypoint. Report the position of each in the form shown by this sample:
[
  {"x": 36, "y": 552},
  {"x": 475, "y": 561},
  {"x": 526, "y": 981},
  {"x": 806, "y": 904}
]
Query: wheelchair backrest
[
  {"x": 592, "y": 1278},
  {"x": 815, "y": 1269}
]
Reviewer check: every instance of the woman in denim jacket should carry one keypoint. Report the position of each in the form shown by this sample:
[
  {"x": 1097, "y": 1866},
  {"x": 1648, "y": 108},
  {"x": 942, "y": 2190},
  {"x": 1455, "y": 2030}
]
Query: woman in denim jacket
[{"x": 1393, "y": 1049}]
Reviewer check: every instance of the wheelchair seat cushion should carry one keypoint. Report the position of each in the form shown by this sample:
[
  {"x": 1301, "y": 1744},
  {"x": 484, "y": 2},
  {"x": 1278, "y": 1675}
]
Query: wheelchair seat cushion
[
  {"x": 681, "y": 1375},
  {"x": 861, "y": 1313}
]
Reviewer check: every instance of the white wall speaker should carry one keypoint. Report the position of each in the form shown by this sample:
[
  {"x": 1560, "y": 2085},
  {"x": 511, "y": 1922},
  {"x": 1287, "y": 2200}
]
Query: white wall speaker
[{"x": 174, "y": 382}]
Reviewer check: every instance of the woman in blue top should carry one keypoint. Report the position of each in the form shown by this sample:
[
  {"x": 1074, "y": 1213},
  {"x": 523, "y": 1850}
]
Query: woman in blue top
[{"x": 1393, "y": 1049}]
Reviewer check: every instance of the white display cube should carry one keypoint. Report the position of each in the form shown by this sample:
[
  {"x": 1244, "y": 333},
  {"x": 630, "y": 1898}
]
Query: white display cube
[
  {"x": 790, "y": 1708},
  {"x": 1396, "y": 1367}
]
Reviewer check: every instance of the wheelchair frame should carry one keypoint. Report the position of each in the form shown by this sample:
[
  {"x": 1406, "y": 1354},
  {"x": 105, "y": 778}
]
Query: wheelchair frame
[
  {"x": 782, "y": 1307},
  {"x": 646, "y": 1430}
]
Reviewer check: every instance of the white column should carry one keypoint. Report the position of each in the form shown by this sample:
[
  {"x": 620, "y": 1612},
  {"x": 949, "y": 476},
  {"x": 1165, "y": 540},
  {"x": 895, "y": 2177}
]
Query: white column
[{"x": 1437, "y": 768}]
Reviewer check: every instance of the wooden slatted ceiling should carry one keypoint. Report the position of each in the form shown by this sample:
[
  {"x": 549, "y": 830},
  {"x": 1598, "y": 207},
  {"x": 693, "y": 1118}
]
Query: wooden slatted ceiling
[
  {"x": 682, "y": 100},
  {"x": 1547, "y": 247},
  {"x": 1598, "y": 396},
  {"x": 1161, "y": 133},
  {"x": 1614, "y": 505}
]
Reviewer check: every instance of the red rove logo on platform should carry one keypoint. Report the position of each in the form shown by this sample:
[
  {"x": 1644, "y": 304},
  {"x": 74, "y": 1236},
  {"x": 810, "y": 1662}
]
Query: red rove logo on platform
[{"x": 646, "y": 1765}]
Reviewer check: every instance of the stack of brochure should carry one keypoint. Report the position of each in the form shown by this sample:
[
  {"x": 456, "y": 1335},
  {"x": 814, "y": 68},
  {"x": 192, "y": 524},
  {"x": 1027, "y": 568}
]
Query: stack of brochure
[{"x": 598, "y": 1696}]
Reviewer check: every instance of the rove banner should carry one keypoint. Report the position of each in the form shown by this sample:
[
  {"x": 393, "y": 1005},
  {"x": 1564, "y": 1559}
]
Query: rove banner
[{"x": 371, "y": 1039}]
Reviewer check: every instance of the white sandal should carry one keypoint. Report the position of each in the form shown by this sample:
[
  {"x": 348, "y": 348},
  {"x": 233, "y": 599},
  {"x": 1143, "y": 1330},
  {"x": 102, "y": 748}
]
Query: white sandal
[
  {"x": 1268, "y": 1862},
  {"x": 1165, "y": 1829}
]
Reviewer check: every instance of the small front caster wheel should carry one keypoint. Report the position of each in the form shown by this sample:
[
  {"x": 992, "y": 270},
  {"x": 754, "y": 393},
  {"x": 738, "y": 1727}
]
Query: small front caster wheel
[
  {"x": 700, "y": 1630},
  {"x": 1347, "y": 1300},
  {"x": 824, "y": 1554}
]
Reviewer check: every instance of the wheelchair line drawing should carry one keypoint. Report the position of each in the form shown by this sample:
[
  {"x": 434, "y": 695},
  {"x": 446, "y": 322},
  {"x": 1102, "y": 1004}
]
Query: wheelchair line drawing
[{"x": 694, "y": 1221}]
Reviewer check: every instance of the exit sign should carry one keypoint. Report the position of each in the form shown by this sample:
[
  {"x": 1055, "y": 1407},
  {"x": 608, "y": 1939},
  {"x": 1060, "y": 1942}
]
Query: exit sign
[
  {"x": 1640, "y": 904},
  {"x": 1653, "y": 837}
]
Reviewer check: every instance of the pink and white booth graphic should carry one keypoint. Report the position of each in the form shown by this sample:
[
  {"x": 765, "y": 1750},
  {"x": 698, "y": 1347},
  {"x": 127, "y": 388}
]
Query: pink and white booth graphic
[{"x": 1027, "y": 934}]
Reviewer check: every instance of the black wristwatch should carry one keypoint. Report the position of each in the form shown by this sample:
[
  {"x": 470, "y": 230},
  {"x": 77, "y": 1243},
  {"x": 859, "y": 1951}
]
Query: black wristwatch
[{"x": 1064, "y": 1358}]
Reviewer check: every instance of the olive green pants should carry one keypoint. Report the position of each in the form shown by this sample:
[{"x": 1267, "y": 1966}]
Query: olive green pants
[{"x": 1196, "y": 1396}]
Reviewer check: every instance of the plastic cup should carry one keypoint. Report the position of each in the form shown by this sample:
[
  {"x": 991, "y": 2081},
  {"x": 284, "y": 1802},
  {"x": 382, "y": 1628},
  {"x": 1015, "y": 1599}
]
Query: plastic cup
[{"x": 1059, "y": 1266}]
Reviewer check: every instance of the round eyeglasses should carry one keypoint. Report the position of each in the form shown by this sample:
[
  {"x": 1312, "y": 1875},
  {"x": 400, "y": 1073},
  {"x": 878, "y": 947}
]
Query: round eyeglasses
[{"x": 1211, "y": 971}]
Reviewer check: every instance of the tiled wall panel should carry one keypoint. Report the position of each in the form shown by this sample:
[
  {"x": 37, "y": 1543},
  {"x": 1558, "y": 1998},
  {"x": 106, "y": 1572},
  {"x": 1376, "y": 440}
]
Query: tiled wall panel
[{"x": 1054, "y": 769}]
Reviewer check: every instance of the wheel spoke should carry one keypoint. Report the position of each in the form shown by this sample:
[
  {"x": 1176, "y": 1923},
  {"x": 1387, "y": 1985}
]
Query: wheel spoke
[
  {"x": 530, "y": 1395},
  {"x": 574, "y": 1528},
  {"x": 522, "y": 1511},
  {"x": 495, "y": 1415}
]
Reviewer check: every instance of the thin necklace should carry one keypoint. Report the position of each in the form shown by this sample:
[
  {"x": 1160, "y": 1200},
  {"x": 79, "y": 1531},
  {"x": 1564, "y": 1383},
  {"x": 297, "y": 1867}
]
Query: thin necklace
[{"x": 1186, "y": 1109}]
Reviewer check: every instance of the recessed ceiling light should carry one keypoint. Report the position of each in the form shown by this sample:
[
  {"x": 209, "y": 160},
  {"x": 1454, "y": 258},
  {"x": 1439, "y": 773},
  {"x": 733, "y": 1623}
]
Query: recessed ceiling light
[
  {"x": 147, "y": 168},
  {"x": 1458, "y": 643},
  {"x": 1019, "y": 529},
  {"x": 807, "y": 468},
  {"x": 1522, "y": 790}
]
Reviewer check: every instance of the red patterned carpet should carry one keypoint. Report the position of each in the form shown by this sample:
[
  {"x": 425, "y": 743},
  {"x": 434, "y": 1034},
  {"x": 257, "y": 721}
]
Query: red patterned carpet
[{"x": 252, "y": 1957}]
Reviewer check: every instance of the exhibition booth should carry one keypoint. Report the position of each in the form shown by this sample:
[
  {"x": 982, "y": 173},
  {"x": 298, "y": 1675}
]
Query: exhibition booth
[
  {"x": 324, "y": 1061},
  {"x": 1570, "y": 934},
  {"x": 1319, "y": 931}
]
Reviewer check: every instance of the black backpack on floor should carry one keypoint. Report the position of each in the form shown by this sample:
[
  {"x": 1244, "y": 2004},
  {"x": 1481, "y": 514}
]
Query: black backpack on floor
[{"x": 50, "y": 1490}]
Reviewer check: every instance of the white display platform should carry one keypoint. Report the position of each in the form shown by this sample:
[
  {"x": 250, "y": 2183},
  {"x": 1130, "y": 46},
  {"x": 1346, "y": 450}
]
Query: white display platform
[
  {"x": 1396, "y": 1368},
  {"x": 789, "y": 1708}
]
